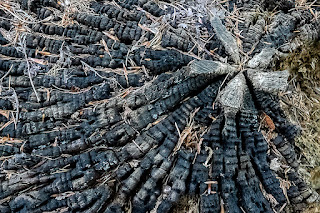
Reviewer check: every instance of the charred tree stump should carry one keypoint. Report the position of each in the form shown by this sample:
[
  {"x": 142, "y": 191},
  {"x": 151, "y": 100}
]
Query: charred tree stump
[{"x": 104, "y": 110}]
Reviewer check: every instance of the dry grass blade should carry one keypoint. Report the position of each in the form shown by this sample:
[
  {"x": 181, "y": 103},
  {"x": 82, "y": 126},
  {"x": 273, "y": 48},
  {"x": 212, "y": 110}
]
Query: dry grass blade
[
  {"x": 5, "y": 113},
  {"x": 5, "y": 75},
  {"x": 16, "y": 12},
  {"x": 88, "y": 67},
  {"x": 125, "y": 74},
  {"x": 113, "y": 37},
  {"x": 106, "y": 47},
  {"x": 23, "y": 47},
  {"x": 7, "y": 124},
  {"x": 187, "y": 135}
]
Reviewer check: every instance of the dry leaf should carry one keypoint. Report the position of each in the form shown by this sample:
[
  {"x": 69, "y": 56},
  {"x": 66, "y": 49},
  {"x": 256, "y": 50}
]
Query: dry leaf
[
  {"x": 125, "y": 74},
  {"x": 269, "y": 123}
]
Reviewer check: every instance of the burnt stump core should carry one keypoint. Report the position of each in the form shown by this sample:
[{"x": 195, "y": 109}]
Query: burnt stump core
[{"x": 121, "y": 108}]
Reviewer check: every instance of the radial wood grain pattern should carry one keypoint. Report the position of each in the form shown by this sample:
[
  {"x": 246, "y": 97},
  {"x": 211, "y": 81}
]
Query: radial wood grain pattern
[{"x": 119, "y": 107}]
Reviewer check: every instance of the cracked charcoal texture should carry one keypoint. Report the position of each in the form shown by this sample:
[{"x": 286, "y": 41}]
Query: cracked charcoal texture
[{"x": 101, "y": 111}]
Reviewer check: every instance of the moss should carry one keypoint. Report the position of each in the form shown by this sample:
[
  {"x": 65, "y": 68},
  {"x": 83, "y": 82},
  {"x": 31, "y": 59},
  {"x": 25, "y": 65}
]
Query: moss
[
  {"x": 315, "y": 178},
  {"x": 302, "y": 105},
  {"x": 188, "y": 204},
  {"x": 304, "y": 64},
  {"x": 303, "y": 102},
  {"x": 313, "y": 209}
]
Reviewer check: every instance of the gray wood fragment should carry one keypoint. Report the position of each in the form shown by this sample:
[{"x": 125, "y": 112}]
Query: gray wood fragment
[
  {"x": 308, "y": 32},
  {"x": 263, "y": 59},
  {"x": 231, "y": 97},
  {"x": 212, "y": 68},
  {"x": 272, "y": 82},
  {"x": 226, "y": 39}
]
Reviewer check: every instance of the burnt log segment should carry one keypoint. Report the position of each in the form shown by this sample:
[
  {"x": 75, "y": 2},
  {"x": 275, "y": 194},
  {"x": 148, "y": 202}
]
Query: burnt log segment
[
  {"x": 76, "y": 34},
  {"x": 94, "y": 116},
  {"x": 113, "y": 11},
  {"x": 127, "y": 32},
  {"x": 3, "y": 41},
  {"x": 149, "y": 6},
  {"x": 33, "y": 5},
  {"x": 6, "y": 25},
  {"x": 271, "y": 106},
  {"x": 279, "y": 5},
  {"x": 256, "y": 146}
]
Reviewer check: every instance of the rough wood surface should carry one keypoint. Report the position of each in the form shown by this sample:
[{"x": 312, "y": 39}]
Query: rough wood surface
[{"x": 118, "y": 108}]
